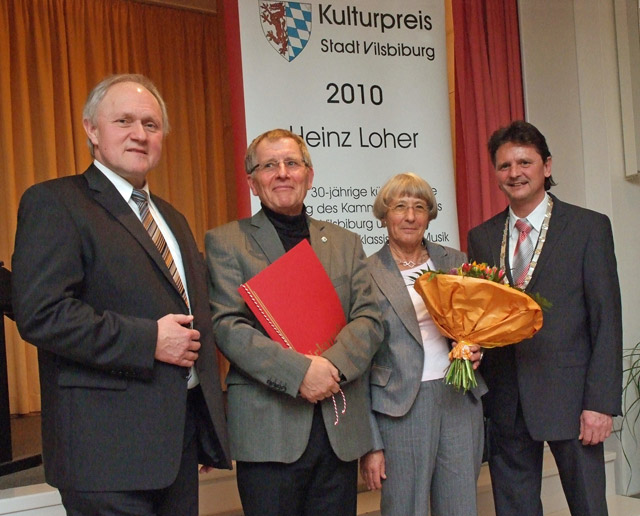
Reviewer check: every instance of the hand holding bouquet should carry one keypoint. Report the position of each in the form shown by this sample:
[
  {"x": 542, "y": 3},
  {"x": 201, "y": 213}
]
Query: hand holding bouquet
[{"x": 472, "y": 305}]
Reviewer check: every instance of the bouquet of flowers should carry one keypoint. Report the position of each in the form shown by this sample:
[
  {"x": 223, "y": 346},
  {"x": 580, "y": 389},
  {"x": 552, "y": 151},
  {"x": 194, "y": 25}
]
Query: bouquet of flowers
[{"x": 472, "y": 305}]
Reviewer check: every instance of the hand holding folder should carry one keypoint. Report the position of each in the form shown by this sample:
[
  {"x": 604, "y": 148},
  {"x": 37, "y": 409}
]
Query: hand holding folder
[{"x": 296, "y": 303}]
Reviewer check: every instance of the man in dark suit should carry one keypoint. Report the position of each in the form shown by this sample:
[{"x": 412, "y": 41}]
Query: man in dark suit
[
  {"x": 131, "y": 399},
  {"x": 292, "y": 457},
  {"x": 563, "y": 385}
]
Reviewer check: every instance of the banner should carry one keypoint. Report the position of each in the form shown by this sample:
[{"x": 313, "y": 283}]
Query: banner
[{"x": 365, "y": 85}]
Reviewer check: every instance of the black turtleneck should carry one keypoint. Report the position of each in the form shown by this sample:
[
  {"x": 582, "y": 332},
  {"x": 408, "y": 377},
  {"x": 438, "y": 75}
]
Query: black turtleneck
[{"x": 292, "y": 229}]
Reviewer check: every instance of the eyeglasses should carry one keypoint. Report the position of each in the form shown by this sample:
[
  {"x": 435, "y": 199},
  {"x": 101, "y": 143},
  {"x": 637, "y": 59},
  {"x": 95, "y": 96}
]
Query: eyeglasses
[
  {"x": 290, "y": 165},
  {"x": 402, "y": 208}
]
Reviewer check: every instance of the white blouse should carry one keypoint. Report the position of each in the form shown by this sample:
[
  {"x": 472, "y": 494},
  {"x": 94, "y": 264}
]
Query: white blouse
[{"x": 436, "y": 347}]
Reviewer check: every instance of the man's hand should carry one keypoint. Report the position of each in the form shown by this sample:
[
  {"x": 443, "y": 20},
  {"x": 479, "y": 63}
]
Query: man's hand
[
  {"x": 177, "y": 343},
  {"x": 372, "y": 468},
  {"x": 321, "y": 380},
  {"x": 594, "y": 427}
]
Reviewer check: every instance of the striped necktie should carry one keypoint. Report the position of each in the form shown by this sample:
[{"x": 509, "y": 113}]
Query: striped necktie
[
  {"x": 523, "y": 253},
  {"x": 141, "y": 199}
]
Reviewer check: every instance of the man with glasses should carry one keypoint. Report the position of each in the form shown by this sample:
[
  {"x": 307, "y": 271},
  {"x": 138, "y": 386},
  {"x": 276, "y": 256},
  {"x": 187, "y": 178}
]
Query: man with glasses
[{"x": 292, "y": 459}]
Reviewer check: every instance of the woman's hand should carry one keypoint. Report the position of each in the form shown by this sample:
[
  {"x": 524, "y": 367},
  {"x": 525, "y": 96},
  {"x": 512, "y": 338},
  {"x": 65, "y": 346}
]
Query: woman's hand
[
  {"x": 475, "y": 353},
  {"x": 372, "y": 469}
]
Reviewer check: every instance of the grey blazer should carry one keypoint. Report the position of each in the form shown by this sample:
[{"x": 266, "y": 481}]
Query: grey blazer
[
  {"x": 268, "y": 421},
  {"x": 396, "y": 370}
]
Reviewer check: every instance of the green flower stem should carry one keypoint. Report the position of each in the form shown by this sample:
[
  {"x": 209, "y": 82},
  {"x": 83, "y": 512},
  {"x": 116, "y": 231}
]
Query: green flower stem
[{"x": 460, "y": 375}]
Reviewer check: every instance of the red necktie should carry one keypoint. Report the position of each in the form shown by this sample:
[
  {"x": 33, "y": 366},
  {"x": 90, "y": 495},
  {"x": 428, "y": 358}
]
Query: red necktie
[{"x": 522, "y": 254}]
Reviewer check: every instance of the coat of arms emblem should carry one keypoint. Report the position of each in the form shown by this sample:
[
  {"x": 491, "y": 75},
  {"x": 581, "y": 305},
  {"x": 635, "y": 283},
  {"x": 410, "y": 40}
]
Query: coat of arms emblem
[{"x": 286, "y": 26}]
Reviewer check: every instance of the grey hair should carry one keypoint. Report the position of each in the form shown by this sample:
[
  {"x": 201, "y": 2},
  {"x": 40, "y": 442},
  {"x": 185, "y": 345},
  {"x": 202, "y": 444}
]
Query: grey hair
[
  {"x": 405, "y": 184},
  {"x": 271, "y": 136},
  {"x": 90, "y": 111}
]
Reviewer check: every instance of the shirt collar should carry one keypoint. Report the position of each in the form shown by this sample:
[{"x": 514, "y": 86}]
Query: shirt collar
[
  {"x": 122, "y": 185},
  {"x": 535, "y": 218}
]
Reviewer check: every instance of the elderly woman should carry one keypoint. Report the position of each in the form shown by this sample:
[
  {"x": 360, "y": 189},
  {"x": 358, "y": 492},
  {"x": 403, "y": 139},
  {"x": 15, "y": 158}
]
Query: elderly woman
[{"x": 428, "y": 436}]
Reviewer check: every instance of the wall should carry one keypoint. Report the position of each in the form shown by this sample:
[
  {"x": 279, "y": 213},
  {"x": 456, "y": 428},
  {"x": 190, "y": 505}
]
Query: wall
[{"x": 572, "y": 94}]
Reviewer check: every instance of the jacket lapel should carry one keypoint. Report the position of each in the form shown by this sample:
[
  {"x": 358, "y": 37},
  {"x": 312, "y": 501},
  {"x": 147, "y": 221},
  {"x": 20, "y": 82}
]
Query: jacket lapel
[
  {"x": 269, "y": 242},
  {"x": 266, "y": 236},
  {"x": 320, "y": 243},
  {"x": 557, "y": 224},
  {"x": 440, "y": 257},
  {"x": 110, "y": 199},
  {"x": 386, "y": 274},
  {"x": 493, "y": 245}
]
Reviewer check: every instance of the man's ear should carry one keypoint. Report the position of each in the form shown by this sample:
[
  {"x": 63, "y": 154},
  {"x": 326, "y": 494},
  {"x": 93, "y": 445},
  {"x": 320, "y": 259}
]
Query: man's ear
[
  {"x": 91, "y": 131},
  {"x": 309, "y": 177},
  {"x": 547, "y": 167},
  {"x": 251, "y": 184}
]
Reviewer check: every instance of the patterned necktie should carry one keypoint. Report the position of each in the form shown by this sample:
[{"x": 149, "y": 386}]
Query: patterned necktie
[
  {"x": 522, "y": 254},
  {"x": 141, "y": 199}
]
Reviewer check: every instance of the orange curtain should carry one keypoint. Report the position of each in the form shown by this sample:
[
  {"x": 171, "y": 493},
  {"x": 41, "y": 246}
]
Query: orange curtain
[
  {"x": 52, "y": 52},
  {"x": 489, "y": 95}
]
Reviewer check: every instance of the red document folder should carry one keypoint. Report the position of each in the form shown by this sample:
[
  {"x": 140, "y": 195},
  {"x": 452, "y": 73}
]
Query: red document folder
[{"x": 294, "y": 300}]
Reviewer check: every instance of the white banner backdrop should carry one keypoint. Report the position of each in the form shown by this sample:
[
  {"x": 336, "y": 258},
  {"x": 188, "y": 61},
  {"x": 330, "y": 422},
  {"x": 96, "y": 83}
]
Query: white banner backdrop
[{"x": 365, "y": 84}]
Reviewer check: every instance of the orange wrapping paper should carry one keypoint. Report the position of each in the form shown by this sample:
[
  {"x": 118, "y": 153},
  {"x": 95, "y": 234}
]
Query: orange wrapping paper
[{"x": 479, "y": 311}]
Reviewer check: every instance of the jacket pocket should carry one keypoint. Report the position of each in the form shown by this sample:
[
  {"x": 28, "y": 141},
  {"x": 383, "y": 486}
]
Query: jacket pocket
[
  {"x": 235, "y": 378},
  {"x": 380, "y": 375},
  {"x": 90, "y": 380}
]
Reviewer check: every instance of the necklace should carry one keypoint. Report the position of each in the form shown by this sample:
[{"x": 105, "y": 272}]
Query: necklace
[
  {"x": 410, "y": 263},
  {"x": 539, "y": 243}
]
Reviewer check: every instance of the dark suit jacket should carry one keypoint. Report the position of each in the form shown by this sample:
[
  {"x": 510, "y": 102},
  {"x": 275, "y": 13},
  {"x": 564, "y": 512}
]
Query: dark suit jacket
[
  {"x": 88, "y": 288},
  {"x": 268, "y": 421},
  {"x": 574, "y": 362}
]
